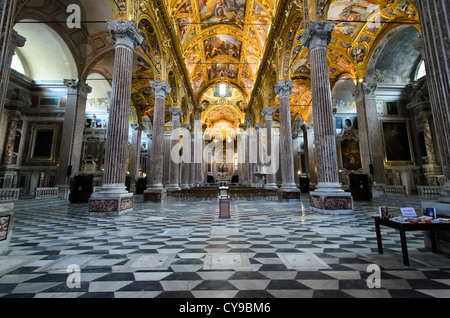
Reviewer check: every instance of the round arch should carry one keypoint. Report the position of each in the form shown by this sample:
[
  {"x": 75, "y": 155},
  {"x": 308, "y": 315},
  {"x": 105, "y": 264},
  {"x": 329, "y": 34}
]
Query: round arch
[{"x": 46, "y": 54}]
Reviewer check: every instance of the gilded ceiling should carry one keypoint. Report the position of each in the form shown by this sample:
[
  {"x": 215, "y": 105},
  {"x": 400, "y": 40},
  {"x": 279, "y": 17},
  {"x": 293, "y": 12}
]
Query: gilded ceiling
[{"x": 222, "y": 58}]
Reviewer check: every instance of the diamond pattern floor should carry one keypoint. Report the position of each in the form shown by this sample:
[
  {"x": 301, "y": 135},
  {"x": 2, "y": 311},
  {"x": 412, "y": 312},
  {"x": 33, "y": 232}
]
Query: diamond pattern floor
[{"x": 183, "y": 250}]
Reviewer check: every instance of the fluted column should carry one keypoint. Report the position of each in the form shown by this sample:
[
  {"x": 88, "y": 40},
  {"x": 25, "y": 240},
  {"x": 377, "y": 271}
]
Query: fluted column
[
  {"x": 135, "y": 157},
  {"x": 72, "y": 135},
  {"x": 370, "y": 136},
  {"x": 160, "y": 89},
  {"x": 192, "y": 164},
  {"x": 185, "y": 166},
  {"x": 148, "y": 168},
  {"x": 270, "y": 176},
  {"x": 316, "y": 38},
  {"x": 435, "y": 24},
  {"x": 284, "y": 89},
  {"x": 155, "y": 191},
  {"x": 246, "y": 150},
  {"x": 113, "y": 197},
  {"x": 8, "y": 148},
  {"x": 9, "y": 41},
  {"x": 174, "y": 165}
]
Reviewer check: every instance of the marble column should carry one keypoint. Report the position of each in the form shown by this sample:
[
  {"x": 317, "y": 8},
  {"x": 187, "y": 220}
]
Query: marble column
[
  {"x": 113, "y": 198},
  {"x": 7, "y": 159},
  {"x": 155, "y": 190},
  {"x": 192, "y": 164},
  {"x": 174, "y": 165},
  {"x": 135, "y": 158},
  {"x": 288, "y": 188},
  {"x": 185, "y": 166},
  {"x": 9, "y": 41},
  {"x": 198, "y": 151},
  {"x": 246, "y": 150},
  {"x": 311, "y": 156},
  {"x": 435, "y": 24},
  {"x": 328, "y": 195},
  {"x": 370, "y": 136},
  {"x": 7, "y": 170},
  {"x": 268, "y": 125},
  {"x": 148, "y": 167},
  {"x": 72, "y": 135}
]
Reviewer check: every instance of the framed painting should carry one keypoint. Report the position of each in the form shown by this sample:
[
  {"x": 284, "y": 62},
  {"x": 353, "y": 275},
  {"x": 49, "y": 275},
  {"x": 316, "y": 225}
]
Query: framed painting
[
  {"x": 397, "y": 143},
  {"x": 351, "y": 155},
  {"x": 43, "y": 143},
  {"x": 392, "y": 108}
]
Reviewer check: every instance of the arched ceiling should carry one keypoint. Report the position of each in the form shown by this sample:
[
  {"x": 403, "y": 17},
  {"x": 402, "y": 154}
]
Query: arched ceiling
[
  {"x": 222, "y": 40},
  {"x": 248, "y": 45}
]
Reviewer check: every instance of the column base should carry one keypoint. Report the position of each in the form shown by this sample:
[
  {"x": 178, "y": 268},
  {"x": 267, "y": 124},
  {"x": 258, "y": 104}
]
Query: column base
[
  {"x": 331, "y": 202},
  {"x": 155, "y": 195},
  {"x": 111, "y": 200},
  {"x": 288, "y": 194},
  {"x": 184, "y": 186},
  {"x": 173, "y": 187},
  {"x": 6, "y": 222},
  {"x": 271, "y": 186}
]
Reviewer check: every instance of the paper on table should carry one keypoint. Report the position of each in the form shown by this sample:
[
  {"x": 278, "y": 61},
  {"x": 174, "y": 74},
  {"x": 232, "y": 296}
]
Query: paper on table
[{"x": 408, "y": 212}]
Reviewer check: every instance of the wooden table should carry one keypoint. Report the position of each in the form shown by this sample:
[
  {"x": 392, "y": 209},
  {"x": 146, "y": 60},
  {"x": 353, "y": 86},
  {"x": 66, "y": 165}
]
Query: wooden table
[{"x": 403, "y": 227}]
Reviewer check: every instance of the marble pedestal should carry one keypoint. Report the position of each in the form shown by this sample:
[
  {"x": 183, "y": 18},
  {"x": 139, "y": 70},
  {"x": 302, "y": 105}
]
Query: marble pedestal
[
  {"x": 155, "y": 195},
  {"x": 111, "y": 201},
  {"x": 288, "y": 194},
  {"x": 339, "y": 202},
  {"x": 64, "y": 192},
  {"x": 6, "y": 225}
]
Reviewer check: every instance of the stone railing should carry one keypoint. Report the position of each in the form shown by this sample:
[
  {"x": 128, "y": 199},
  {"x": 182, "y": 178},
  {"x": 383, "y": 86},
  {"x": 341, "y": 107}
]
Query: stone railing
[
  {"x": 429, "y": 191},
  {"x": 42, "y": 193},
  {"x": 9, "y": 194},
  {"x": 394, "y": 189}
]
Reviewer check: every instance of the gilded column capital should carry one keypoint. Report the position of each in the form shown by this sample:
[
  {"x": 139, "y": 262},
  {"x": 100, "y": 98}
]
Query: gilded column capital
[
  {"x": 268, "y": 113},
  {"x": 317, "y": 35},
  {"x": 176, "y": 113},
  {"x": 284, "y": 88},
  {"x": 365, "y": 89},
  {"x": 125, "y": 34},
  {"x": 77, "y": 87},
  {"x": 16, "y": 41},
  {"x": 160, "y": 88}
]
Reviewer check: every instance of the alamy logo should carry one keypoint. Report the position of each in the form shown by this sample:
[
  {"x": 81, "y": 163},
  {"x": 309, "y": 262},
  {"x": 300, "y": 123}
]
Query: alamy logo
[
  {"x": 74, "y": 19},
  {"x": 74, "y": 278},
  {"x": 374, "y": 279}
]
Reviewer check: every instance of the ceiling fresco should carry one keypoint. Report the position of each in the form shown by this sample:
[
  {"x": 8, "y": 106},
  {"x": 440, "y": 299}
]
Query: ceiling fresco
[{"x": 239, "y": 44}]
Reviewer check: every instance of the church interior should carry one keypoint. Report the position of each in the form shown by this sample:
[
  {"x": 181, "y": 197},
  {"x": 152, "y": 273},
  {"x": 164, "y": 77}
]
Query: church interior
[{"x": 223, "y": 148}]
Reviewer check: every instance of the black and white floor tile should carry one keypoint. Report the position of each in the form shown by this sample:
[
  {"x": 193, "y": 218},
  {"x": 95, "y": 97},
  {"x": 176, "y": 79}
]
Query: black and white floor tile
[{"x": 179, "y": 249}]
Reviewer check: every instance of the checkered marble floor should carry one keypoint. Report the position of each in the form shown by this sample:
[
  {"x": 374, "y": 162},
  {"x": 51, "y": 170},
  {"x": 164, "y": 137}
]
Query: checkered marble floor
[{"x": 183, "y": 250}]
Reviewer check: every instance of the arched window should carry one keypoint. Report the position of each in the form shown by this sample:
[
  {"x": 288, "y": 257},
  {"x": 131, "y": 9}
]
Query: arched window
[
  {"x": 421, "y": 71},
  {"x": 17, "y": 64}
]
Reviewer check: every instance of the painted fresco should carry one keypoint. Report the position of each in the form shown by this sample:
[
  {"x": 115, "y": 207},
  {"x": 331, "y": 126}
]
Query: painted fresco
[
  {"x": 351, "y": 11},
  {"x": 222, "y": 70},
  {"x": 222, "y": 11},
  {"x": 223, "y": 45}
]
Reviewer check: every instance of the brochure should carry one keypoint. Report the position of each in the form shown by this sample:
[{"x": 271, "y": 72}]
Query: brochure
[
  {"x": 408, "y": 212},
  {"x": 431, "y": 212},
  {"x": 383, "y": 212}
]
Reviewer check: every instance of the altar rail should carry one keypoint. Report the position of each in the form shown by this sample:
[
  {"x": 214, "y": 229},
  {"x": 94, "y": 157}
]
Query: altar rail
[
  {"x": 394, "y": 189},
  {"x": 9, "y": 194},
  {"x": 429, "y": 191},
  {"x": 42, "y": 193},
  {"x": 212, "y": 193}
]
